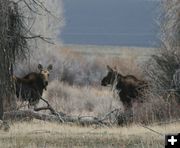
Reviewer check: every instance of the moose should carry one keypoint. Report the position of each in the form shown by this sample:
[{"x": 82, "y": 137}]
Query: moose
[
  {"x": 129, "y": 87},
  {"x": 30, "y": 88}
]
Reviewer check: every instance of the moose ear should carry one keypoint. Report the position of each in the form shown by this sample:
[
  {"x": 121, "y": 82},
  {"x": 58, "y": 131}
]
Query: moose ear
[
  {"x": 109, "y": 68},
  {"x": 40, "y": 67},
  {"x": 50, "y": 67}
]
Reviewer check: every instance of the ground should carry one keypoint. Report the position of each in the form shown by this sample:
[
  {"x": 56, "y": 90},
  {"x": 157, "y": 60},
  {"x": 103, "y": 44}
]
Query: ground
[{"x": 38, "y": 134}]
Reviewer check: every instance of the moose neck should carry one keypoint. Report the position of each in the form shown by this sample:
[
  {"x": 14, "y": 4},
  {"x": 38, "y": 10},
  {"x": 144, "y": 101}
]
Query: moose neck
[
  {"x": 119, "y": 77},
  {"x": 40, "y": 83},
  {"x": 119, "y": 81},
  {"x": 116, "y": 78}
]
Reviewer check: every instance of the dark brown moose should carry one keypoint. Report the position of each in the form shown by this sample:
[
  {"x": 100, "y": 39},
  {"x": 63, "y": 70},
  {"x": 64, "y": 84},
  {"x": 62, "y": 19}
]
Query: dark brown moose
[
  {"x": 30, "y": 87},
  {"x": 129, "y": 87}
]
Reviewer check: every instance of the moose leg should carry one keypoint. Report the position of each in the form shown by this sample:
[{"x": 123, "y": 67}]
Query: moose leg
[{"x": 126, "y": 100}]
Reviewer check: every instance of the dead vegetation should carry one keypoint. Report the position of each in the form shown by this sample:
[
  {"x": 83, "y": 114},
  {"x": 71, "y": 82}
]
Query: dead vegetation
[
  {"x": 162, "y": 66},
  {"x": 44, "y": 134},
  {"x": 162, "y": 69}
]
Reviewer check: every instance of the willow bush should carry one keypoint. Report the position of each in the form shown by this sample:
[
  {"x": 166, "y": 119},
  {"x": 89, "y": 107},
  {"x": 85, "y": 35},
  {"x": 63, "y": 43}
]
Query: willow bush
[
  {"x": 163, "y": 69},
  {"x": 163, "y": 66}
]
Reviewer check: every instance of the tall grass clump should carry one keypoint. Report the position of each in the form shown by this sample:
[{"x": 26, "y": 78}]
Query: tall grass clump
[{"x": 81, "y": 100}]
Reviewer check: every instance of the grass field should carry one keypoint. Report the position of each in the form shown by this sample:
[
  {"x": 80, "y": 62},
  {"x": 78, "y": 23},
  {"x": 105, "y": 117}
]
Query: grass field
[
  {"x": 50, "y": 135},
  {"x": 89, "y": 100},
  {"x": 140, "y": 53}
]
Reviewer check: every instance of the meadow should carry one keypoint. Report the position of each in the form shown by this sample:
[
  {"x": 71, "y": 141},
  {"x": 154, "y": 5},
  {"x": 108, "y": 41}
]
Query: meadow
[
  {"x": 80, "y": 90},
  {"x": 75, "y": 82},
  {"x": 66, "y": 94},
  {"x": 41, "y": 134}
]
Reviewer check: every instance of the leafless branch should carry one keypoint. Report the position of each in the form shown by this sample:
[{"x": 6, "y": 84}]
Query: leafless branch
[
  {"x": 40, "y": 37},
  {"x": 61, "y": 118}
]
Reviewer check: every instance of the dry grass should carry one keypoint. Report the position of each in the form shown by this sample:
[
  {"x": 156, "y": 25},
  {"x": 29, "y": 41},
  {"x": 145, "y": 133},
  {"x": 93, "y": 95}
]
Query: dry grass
[
  {"x": 94, "y": 100},
  {"x": 91, "y": 99},
  {"x": 41, "y": 134},
  {"x": 81, "y": 100},
  {"x": 84, "y": 65}
]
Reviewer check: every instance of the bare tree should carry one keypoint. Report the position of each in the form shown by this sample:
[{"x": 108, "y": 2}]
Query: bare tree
[
  {"x": 12, "y": 44},
  {"x": 16, "y": 25},
  {"x": 163, "y": 66}
]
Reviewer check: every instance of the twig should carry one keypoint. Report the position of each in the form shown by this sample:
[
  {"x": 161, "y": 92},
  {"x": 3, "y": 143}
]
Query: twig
[
  {"x": 151, "y": 130},
  {"x": 108, "y": 114},
  {"x": 39, "y": 132},
  {"x": 40, "y": 37},
  {"x": 51, "y": 109},
  {"x": 41, "y": 108}
]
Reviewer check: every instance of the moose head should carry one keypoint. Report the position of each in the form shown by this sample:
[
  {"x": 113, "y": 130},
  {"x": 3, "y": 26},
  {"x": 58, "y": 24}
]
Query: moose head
[
  {"x": 44, "y": 74},
  {"x": 110, "y": 77}
]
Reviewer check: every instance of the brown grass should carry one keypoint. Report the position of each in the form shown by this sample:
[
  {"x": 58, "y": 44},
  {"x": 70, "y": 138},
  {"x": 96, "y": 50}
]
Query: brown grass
[
  {"x": 36, "y": 134},
  {"x": 94, "y": 100},
  {"x": 83, "y": 65},
  {"x": 81, "y": 100}
]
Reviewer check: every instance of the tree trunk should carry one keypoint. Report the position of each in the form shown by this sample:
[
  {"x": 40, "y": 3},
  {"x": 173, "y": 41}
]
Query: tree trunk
[
  {"x": 7, "y": 99},
  {"x": 1, "y": 108}
]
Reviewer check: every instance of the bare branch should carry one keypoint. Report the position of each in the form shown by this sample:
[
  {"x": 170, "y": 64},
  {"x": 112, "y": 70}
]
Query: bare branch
[{"x": 40, "y": 37}]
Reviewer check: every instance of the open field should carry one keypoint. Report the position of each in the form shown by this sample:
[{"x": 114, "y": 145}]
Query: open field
[
  {"x": 91, "y": 61},
  {"x": 119, "y": 96},
  {"x": 88, "y": 64},
  {"x": 50, "y": 135},
  {"x": 140, "y": 53}
]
